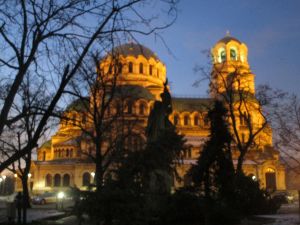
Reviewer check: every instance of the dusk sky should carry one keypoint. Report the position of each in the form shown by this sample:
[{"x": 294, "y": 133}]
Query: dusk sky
[{"x": 270, "y": 29}]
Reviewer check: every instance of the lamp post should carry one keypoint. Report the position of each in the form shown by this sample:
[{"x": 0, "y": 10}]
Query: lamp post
[
  {"x": 93, "y": 176},
  {"x": 3, "y": 185},
  {"x": 1, "y": 179},
  {"x": 60, "y": 197}
]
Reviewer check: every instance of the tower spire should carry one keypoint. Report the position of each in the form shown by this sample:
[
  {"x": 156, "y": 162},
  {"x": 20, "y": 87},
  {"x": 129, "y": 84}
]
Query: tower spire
[{"x": 227, "y": 33}]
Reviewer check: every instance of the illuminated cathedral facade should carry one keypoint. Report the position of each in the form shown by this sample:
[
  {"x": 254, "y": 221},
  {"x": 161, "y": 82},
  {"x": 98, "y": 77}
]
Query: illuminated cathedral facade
[{"x": 61, "y": 161}]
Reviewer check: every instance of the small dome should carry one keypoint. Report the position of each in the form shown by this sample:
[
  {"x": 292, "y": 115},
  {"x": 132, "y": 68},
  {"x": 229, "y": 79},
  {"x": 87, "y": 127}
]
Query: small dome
[
  {"x": 227, "y": 39},
  {"x": 132, "y": 49}
]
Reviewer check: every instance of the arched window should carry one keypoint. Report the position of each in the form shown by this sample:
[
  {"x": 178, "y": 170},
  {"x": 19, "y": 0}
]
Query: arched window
[
  {"x": 141, "y": 68},
  {"x": 186, "y": 120},
  {"x": 44, "y": 156},
  {"x": 176, "y": 120},
  {"x": 150, "y": 69},
  {"x": 142, "y": 109},
  {"x": 86, "y": 179},
  {"x": 129, "y": 106},
  {"x": 120, "y": 68},
  {"x": 221, "y": 55},
  {"x": 83, "y": 120},
  {"x": 233, "y": 54},
  {"x": 74, "y": 119},
  {"x": 110, "y": 69},
  {"x": 57, "y": 180},
  {"x": 48, "y": 180},
  {"x": 67, "y": 153},
  {"x": 196, "y": 120},
  {"x": 66, "y": 180},
  {"x": 130, "y": 67},
  {"x": 71, "y": 153},
  {"x": 270, "y": 177}
]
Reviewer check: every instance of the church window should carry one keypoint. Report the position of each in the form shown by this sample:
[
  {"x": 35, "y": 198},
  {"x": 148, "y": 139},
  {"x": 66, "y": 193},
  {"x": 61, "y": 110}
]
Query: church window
[
  {"x": 57, "y": 180},
  {"x": 196, "y": 120},
  {"x": 48, "y": 180},
  {"x": 86, "y": 179},
  {"x": 129, "y": 107},
  {"x": 142, "y": 109},
  {"x": 71, "y": 153},
  {"x": 67, "y": 153},
  {"x": 221, "y": 55},
  {"x": 74, "y": 119},
  {"x": 176, "y": 120},
  {"x": 44, "y": 155},
  {"x": 110, "y": 69},
  {"x": 66, "y": 180},
  {"x": 83, "y": 120},
  {"x": 186, "y": 120},
  {"x": 141, "y": 68},
  {"x": 120, "y": 68},
  {"x": 130, "y": 67},
  {"x": 150, "y": 69},
  {"x": 233, "y": 54}
]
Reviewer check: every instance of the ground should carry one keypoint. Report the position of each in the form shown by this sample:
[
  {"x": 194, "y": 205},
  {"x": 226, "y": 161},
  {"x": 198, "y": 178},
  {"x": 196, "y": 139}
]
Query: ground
[{"x": 52, "y": 214}]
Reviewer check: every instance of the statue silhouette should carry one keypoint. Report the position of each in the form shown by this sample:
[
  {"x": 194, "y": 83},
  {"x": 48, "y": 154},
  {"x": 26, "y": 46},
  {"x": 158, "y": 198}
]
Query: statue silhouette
[{"x": 158, "y": 120}]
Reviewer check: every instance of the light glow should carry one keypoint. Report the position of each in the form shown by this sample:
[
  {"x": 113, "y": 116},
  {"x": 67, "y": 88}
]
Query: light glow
[{"x": 60, "y": 195}]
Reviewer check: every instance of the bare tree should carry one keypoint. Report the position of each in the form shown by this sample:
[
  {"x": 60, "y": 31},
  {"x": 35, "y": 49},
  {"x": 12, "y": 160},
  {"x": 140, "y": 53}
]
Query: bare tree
[
  {"x": 31, "y": 102},
  {"x": 51, "y": 39},
  {"x": 249, "y": 126},
  {"x": 110, "y": 120},
  {"x": 285, "y": 120}
]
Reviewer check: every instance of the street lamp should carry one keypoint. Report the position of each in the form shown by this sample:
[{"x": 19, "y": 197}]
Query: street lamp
[
  {"x": 93, "y": 176},
  {"x": 60, "y": 197},
  {"x": 29, "y": 175}
]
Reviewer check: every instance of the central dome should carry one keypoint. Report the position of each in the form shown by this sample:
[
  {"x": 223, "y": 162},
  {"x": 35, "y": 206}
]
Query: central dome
[
  {"x": 133, "y": 49},
  {"x": 227, "y": 39}
]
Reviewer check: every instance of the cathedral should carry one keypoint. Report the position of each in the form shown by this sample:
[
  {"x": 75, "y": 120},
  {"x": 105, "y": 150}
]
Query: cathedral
[{"x": 61, "y": 161}]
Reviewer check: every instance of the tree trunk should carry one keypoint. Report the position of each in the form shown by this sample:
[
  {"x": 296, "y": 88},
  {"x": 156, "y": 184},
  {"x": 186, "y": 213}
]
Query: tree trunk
[
  {"x": 25, "y": 200},
  {"x": 99, "y": 169}
]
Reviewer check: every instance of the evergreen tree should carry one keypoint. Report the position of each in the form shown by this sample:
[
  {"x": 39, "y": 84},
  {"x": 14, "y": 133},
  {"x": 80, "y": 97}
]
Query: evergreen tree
[{"x": 214, "y": 168}]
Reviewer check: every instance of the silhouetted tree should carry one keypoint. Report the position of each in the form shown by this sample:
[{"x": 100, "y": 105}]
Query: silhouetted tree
[{"x": 50, "y": 40}]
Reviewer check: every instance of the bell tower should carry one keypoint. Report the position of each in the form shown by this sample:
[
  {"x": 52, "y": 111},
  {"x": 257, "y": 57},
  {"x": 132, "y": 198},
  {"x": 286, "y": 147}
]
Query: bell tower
[{"x": 230, "y": 69}]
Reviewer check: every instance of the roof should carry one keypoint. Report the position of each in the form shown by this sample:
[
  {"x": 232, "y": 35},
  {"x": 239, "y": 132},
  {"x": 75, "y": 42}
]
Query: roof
[
  {"x": 134, "y": 92},
  {"x": 70, "y": 142},
  {"x": 227, "y": 39},
  {"x": 124, "y": 91},
  {"x": 191, "y": 104},
  {"x": 47, "y": 144},
  {"x": 80, "y": 105},
  {"x": 133, "y": 49}
]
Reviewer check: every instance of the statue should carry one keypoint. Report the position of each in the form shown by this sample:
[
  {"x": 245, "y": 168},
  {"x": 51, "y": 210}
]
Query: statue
[{"x": 158, "y": 120}]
